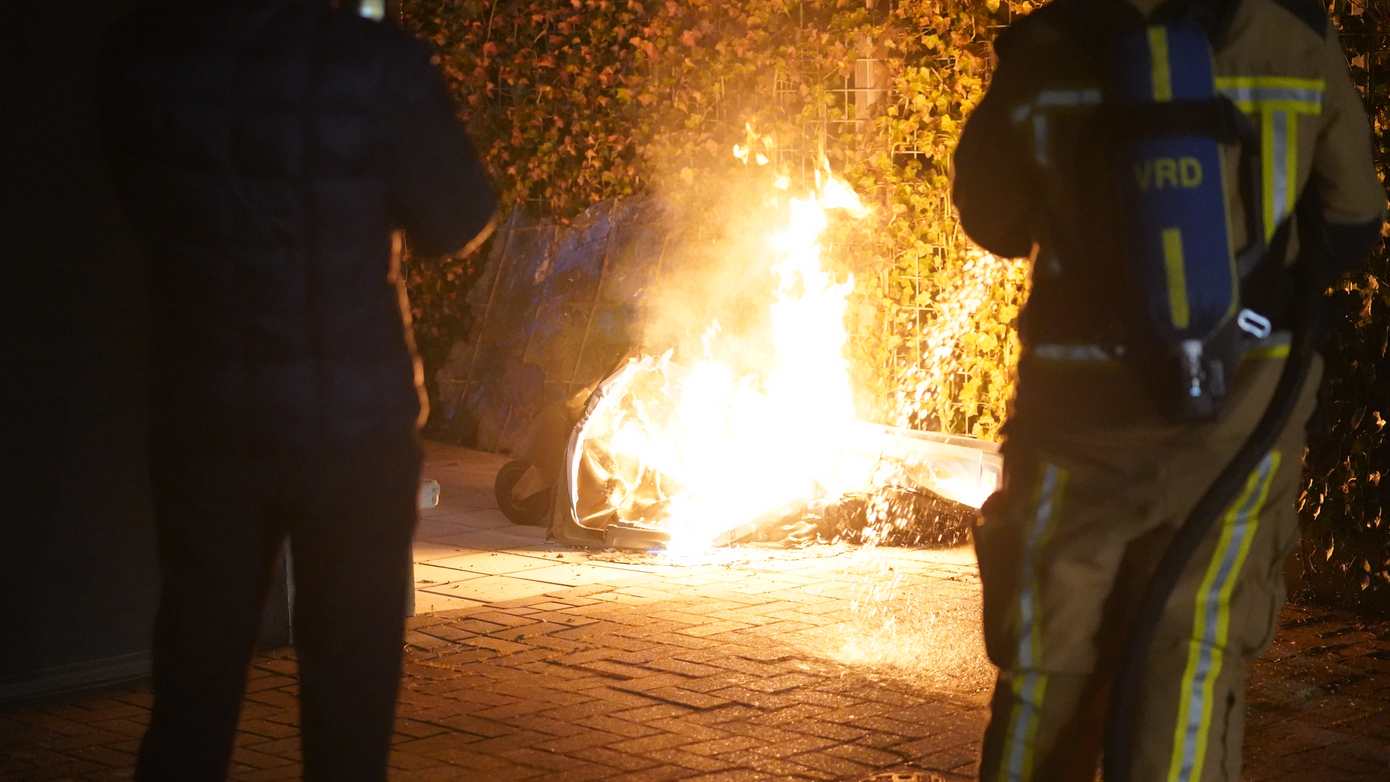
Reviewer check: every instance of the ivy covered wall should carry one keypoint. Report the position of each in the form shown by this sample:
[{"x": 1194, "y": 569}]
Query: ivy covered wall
[
  {"x": 580, "y": 101},
  {"x": 576, "y": 102}
]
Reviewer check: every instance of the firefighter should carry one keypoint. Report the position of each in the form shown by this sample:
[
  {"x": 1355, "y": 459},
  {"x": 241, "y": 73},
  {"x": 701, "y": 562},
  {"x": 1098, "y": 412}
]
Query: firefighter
[
  {"x": 1099, "y": 473},
  {"x": 265, "y": 151}
]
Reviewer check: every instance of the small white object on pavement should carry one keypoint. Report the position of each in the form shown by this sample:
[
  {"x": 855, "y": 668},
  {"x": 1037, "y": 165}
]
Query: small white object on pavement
[{"x": 429, "y": 494}]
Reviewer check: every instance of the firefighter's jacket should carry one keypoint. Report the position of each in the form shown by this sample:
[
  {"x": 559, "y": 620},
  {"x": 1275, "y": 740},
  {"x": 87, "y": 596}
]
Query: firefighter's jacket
[
  {"x": 1020, "y": 188},
  {"x": 1096, "y": 481},
  {"x": 266, "y": 150}
]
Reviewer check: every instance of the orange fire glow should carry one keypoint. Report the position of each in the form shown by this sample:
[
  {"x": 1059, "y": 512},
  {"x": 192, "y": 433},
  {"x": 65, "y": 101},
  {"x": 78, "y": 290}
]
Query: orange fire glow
[{"x": 700, "y": 446}]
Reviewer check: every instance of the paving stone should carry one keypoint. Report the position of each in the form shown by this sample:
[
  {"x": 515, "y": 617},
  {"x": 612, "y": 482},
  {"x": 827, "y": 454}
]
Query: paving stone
[
  {"x": 735, "y": 775},
  {"x": 864, "y": 755},
  {"x": 686, "y": 726},
  {"x": 684, "y": 697},
  {"x": 760, "y": 700},
  {"x": 656, "y": 774},
  {"x": 584, "y": 738},
  {"x": 615, "y": 725},
  {"x": 831, "y": 764},
  {"x": 828, "y": 730},
  {"x": 580, "y": 772},
  {"x": 262, "y": 760},
  {"x": 684, "y": 668},
  {"x": 723, "y": 745},
  {"x": 489, "y": 589},
  {"x": 780, "y": 768},
  {"x": 690, "y": 760},
  {"x": 647, "y": 714},
  {"x": 960, "y": 761},
  {"x": 787, "y": 681},
  {"x": 646, "y": 685},
  {"x": 785, "y": 747},
  {"x": 614, "y": 758},
  {"x": 281, "y": 774}
]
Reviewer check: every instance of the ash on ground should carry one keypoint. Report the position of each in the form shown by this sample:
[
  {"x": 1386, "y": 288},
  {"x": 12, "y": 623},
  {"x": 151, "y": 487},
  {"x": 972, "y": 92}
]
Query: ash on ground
[{"x": 891, "y": 517}]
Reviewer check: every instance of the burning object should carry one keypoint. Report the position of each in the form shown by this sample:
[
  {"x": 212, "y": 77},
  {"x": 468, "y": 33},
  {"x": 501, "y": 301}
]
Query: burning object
[
  {"x": 917, "y": 488},
  {"x": 752, "y": 429}
]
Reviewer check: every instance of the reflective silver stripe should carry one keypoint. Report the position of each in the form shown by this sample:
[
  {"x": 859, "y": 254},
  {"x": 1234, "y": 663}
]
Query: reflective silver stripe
[
  {"x": 1051, "y": 99},
  {"x": 1055, "y": 99},
  {"x": 1042, "y": 518},
  {"x": 1023, "y": 726},
  {"x": 1022, "y": 734},
  {"x": 1055, "y": 352},
  {"x": 1309, "y": 97},
  {"x": 1040, "y": 140}
]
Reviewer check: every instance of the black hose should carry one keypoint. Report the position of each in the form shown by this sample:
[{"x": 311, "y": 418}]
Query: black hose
[{"x": 1120, "y": 739}]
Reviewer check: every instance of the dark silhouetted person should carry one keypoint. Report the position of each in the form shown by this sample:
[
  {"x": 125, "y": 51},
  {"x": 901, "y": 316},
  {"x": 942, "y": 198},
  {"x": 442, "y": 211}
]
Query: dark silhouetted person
[{"x": 266, "y": 151}]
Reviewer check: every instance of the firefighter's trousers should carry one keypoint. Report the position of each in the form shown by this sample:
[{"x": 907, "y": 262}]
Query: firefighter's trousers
[{"x": 1091, "y": 497}]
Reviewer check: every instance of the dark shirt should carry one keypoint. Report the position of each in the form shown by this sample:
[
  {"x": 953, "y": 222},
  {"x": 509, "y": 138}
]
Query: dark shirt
[{"x": 266, "y": 151}]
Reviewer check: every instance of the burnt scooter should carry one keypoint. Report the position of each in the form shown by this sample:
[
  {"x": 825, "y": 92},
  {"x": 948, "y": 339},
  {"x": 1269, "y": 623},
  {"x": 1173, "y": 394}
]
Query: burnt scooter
[
  {"x": 561, "y": 480},
  {"x": 525, "y": 487}
]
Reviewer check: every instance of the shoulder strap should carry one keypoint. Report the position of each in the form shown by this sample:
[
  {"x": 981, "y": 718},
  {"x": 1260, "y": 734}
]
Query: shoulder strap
[
  {"x": 1213, "y": 16},
  {"x": 1310, "y": 12},
  {"x": 1100, "y": 20},
  {"x": 1091, "y": 24}
]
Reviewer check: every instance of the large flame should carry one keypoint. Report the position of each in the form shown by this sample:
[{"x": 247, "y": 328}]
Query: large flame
[
  {"x": 722, "y": 448},
  {"x": 703, "y": 445}
]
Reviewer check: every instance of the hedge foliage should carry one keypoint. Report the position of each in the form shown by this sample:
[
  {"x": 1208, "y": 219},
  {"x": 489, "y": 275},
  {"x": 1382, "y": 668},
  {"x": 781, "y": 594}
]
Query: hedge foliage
[
  {"x": 1346, "y": 532},
  {"x": 577, "y": 101}
]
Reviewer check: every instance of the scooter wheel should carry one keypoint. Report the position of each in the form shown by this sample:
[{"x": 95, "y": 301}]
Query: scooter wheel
[{"x": 531, "y": 511}]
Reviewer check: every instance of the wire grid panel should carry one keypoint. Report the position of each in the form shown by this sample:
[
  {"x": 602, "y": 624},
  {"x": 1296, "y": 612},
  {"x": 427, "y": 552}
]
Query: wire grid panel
[{"x": 847, "y": 101}]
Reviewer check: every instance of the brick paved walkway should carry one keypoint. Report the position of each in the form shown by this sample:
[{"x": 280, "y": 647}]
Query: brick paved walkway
[{"x": 825, "y": 663}]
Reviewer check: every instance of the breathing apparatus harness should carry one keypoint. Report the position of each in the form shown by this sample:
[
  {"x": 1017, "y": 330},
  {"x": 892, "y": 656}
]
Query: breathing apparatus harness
[{"x": 1154, "y": 155}]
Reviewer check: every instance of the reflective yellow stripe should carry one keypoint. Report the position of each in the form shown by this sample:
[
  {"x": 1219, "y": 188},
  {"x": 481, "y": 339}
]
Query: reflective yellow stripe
[
  {"x": 1273, "y": 82},
  {"x": 1267, "y": 173},
  {"x": 1223, "y": 622},
  {"x": 1271, "y": 351},
  {"x": 1280, "y": 101},
  {"x": 1072, "y": 364},
  {"x": 1019, "y": 757},
  {"x": 1038, "y": 694},
  {"x": 1211, "y": 624},
  {"x": 1177, "y": 277},
  {"x": 1027, "y": 683},
  {"x": 1291, "y": 106},
  {"x": 1158, "y": 61}
]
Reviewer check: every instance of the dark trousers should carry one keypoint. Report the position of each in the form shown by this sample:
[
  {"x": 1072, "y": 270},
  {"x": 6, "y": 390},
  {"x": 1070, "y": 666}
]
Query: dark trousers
[{"x": 225, "y": 502}]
